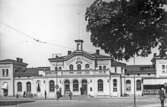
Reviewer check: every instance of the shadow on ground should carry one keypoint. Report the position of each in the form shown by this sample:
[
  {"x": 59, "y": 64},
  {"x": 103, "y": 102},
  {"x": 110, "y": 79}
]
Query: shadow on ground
[{"x": 7, "y": 103}]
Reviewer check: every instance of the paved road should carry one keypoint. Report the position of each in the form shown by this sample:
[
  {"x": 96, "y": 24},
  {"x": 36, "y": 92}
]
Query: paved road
[{"x": 94, "y": 102}]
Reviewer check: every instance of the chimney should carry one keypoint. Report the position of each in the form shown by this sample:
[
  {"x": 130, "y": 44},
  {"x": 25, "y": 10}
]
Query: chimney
[
  {"x": 21, "y": 60},
  {"x": 69, "y": 52},
  {"x": 18, "y": 59},
  {"x": 98, "y": 52}
]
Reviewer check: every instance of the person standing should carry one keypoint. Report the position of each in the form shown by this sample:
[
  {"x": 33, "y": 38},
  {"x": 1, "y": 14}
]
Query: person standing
[
  {"x": 162, "y": 96},
  {"x": 70, "y": 95},
  {"x": 45, "y": 95},
  {"x": 58, "y": 95}
]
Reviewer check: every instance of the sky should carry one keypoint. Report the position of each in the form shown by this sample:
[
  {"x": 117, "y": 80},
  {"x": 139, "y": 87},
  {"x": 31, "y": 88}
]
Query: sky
[{"x": 56, "y": 23}]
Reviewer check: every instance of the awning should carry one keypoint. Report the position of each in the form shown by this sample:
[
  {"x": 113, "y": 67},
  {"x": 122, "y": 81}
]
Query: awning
[
  {"x": 152, "y": 86},
  {"x": 4, "y": 86}
]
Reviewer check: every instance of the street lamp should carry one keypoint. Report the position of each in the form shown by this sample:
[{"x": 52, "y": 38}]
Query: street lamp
[{"x": 134, "y": 92}]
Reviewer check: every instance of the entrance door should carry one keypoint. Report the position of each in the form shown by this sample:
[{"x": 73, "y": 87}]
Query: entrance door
[
  {"x": 5, "y": 89},
  {"x": 66, "y": 86},
  {"x": 84, "y": 87},
  {"x": 5, "y": 92}
]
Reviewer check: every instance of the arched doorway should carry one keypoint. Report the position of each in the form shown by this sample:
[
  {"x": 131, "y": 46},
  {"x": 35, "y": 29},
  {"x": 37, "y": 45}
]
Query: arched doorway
[
  {"x": 84, "y": 87},
  {"x": 66, "y": 86},
  {"x": 5, "y": 89}
]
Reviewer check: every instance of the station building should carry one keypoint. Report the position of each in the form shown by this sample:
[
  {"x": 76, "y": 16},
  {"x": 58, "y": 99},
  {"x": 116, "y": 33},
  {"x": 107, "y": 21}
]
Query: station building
[{"x": 82, "y": 73}]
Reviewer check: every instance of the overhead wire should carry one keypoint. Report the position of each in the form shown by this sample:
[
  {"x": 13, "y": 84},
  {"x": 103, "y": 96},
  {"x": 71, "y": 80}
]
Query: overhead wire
[{"x": 33, "y": 38}]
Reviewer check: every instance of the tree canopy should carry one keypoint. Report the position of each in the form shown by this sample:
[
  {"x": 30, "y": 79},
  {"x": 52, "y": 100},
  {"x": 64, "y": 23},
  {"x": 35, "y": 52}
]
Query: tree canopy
[{"x": 124, "y": 28}]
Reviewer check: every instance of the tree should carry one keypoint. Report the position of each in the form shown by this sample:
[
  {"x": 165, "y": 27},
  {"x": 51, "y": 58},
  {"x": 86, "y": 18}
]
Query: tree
[{"x": 124, "y": 28}]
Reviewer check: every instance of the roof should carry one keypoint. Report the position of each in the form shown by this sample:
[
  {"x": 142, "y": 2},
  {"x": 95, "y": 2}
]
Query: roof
[
  {"x": 83, "y": 53},
  {"x": 11, "y": 61},
  {"x": 116, "y": 63},
  {"x": 30, "y": 72},
  {"x": 140, "y": 69},
  {"x": 158, "y": 57}
]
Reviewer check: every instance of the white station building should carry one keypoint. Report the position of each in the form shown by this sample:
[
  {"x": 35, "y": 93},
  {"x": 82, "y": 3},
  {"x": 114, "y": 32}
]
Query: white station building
[{"x": 83, "y": 74}]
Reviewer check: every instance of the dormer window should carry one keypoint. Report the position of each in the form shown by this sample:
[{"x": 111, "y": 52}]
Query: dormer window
[
  {"x": 79, "y": 67},
  {"x": 149, "y": 73},
  {"x": 138, "y": 74}
]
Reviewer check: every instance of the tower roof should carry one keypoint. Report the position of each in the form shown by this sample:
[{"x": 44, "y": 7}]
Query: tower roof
[{"x": 79, "y": 40}]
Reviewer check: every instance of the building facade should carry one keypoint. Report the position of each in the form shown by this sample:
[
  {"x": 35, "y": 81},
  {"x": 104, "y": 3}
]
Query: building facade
[{"x": 83, "y": 74}]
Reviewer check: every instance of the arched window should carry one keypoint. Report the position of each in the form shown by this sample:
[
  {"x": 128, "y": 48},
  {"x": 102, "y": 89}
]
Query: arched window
[
  {"x": 128, "y": 85},
  {"x": 138, "y": 85},
  {"x": 75, "y": 85},
  {"x": 51, "y": 86},
  {"x": 19, "y": 86},
  {"x": 100, "y": 85},
  {"x": 28, "y": 86},
  {"x": 71, "y": 67},
  {"x": 38, "y": 88},
  {"x": 86, "y": 66},
  {"x": 79, "y": 67},
  {"x": 114, "y": 85},
  {"x": 66, "y": 85}
]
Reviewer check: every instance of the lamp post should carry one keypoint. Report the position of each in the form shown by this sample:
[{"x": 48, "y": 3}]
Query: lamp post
[{"x": 134, "y": 92}]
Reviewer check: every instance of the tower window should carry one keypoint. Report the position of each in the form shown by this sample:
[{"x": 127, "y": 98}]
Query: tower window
[{"x": 71, "y": 67}]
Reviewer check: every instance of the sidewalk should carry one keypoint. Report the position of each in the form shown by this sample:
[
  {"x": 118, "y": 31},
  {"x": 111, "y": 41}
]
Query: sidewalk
[{"x": 154, "y": 105}]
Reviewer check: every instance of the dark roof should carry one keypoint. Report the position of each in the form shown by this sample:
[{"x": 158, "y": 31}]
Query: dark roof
[
  {"x": 30, "y": 72},
  {"x": 11, "y": 61},
  {"x": 116, "y": 63},
  {"x": 140, "y": 69},
  {"x": 100, "y": 56}
]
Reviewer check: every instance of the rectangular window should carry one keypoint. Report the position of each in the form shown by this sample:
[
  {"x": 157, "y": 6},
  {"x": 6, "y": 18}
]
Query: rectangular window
[
  {"x": 3, "y": 72},
  {"x": 115, "y": 69},
  {"x": 164, "y": 68},
  {"x": 7, "y": 72},
  {"x": 114, "y": 85}
]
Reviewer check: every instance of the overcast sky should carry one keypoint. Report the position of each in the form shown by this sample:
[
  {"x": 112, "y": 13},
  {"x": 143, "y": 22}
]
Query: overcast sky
[{"x": 57, "y": 22}]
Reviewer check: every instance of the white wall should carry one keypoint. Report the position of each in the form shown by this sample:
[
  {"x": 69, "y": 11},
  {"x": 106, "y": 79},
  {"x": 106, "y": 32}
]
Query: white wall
[
  {"x": 159, "y": 63},
  {"x": 8, "y": 79}
]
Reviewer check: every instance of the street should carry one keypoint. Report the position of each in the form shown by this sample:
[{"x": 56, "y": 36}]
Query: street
[{"x": 146, "y": 101}]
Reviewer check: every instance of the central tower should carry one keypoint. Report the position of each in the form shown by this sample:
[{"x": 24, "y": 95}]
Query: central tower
[{"x": 79, "y": 45}]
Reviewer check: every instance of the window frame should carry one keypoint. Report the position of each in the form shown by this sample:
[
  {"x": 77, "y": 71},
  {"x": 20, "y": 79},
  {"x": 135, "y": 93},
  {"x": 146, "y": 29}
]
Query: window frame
[
  {"x": 100, "y": 85},
  {"x": 115, "y": 85},
  {"x": 75, "y": 85},
  {"x": 19, "y": 87},
  {"x": 128, "y": 85},
  {"x": 51, "y": 86}
]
